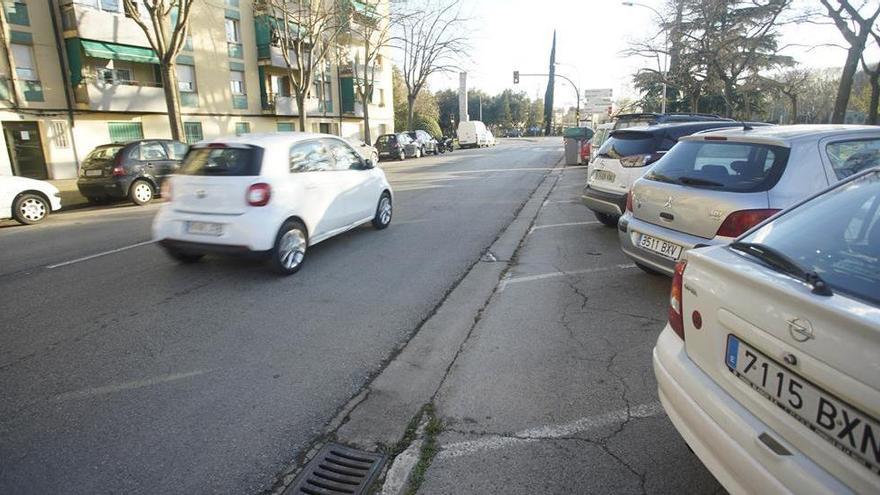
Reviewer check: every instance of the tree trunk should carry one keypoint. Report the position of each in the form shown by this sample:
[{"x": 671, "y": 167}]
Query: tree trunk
[
  {"x": 794, "y": 108},
  {"x": 172, "y": 100},
  {"x": 367, "y": 97},
  {"x": 695, "y": 102},
  {"x": 301, "y": 109},
  {"x": 846, "y": 82},
  {"x": 410, "y": 111},
  {"x": 875, "y": 100}
]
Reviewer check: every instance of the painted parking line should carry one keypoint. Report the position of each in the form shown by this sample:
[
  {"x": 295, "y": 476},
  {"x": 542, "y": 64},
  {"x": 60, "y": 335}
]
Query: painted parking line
[
  {"x": 549, "y": 432},
  {"x": 98, "y": 255},
  {"x": 109, "y": 389},
  {"x": 531, "y": 278},
  {"x": 567, "y": 224}
]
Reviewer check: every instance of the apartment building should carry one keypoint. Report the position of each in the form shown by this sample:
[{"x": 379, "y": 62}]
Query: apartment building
[{"x": 75, "y": 74}]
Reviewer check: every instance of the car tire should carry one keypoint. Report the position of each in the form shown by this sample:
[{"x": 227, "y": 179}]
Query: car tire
[
  {"x": 30, "y": 208},
  {"x": 606, "y": 219},
  {"x": 384, "y": 212},
  {"x": 402, "y": 155},
  {"x": 647, "y": 269},
  {"x": 418, "y": 153},
  {"x": 289, "y": 252},
  {"x": 141, "y": 192},
  {"x": 183, "y": 257}
]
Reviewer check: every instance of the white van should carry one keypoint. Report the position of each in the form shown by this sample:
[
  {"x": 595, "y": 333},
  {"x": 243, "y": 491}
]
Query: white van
[{"x": 473, "y": 134}]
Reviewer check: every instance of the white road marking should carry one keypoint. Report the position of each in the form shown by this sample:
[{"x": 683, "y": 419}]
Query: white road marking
[
  {"x": 109, "y": 389},
  {"x": 562, "y": 201},
  {"x": 98, "y": 255},
  {"x": 531, "y": 278},
  {"x": 469, "y": 447},
  {"x": 567, "y": 224}
]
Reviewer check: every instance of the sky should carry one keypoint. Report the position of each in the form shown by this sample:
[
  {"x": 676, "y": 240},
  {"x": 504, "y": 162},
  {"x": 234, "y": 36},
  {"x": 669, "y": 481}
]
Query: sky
[{"x": 510, "y": 35}]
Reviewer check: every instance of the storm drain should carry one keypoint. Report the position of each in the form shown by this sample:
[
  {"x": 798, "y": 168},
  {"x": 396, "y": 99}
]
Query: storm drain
[{"x": 337, "y": 469}]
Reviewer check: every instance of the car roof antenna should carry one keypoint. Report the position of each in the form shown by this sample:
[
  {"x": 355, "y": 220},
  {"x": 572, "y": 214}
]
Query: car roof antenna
[{"x": 746, "y": 126}]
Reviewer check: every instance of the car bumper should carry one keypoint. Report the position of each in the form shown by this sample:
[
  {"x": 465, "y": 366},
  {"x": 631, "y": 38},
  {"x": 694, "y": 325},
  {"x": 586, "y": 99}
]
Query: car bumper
[
  {"x": 252, "y": 231},
  {"x": 629, "y": 229},
  {"x": 724, "y": 434},
  {"x": 103, "y": 187},
  {"x": 604, "y": 202}
]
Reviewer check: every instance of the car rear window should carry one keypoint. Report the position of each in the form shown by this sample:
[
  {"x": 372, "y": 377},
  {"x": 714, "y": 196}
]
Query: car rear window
[
  {"x": 228, "y": 162},
  {"x": 723, "y": 166},
  {"x": 628, "y": 143},
  {"x": 386, "y": 139},
  {"x": 843, "y": 228},
  {"x": 104, "y": 153}
]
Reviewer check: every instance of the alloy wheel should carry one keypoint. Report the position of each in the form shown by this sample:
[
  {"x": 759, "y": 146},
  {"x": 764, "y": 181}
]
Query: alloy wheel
[
  {"x": 385, "y": 210},
  {"x": 292, "y": 248}
]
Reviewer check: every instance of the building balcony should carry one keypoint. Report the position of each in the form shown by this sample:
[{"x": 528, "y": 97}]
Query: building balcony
[
  {"x": 273, "y": 56},
  {"x": 286, "y": 105},
  {"x": 127, "y": 96},
  {"x": 90, "y": 23}
]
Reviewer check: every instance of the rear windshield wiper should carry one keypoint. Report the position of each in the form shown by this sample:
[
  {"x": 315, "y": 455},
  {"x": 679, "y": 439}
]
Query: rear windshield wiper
[
  {"x": 776, "y": 259},
  {"x": 696, "y": 181},
  {"x": 661, "y": 178}
]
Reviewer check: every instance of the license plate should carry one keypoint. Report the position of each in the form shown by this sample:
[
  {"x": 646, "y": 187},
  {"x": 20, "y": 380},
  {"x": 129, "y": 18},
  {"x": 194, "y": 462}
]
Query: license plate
[
  {"x": 603, "y": 175},
  {"x": 94, "y": 173},
  {"x": 204, "y": 228},
  {"x": 853, "y": 432},
  {"x": 660, "y": 246}
]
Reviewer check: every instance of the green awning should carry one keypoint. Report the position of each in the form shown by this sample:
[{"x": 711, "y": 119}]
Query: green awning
[{"x": 112, "y": 51}]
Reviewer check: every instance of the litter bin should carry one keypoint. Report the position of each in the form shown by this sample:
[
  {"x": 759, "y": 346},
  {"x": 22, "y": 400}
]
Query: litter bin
[{"x": 573, "y": 138}]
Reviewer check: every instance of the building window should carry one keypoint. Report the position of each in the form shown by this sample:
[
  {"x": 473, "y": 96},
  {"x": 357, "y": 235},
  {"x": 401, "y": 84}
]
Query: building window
[
  {"x": 193, "y": 132},
  {"x": 17, "y": 13},
  {"x": 236, "y": 82},
  {"x": 24, "y": 62},
  {"x": 105, "y": 5},
  {"x": 285, "y": 127},
  {"x": 125, "y": 131},
  {"x": 233, "y": 32},
  {"x": 242, "y": 128},
  {"x": 114, "y": 76},
  {"x": 186, "y": 78},
  {"x": 59, "y": 130}
]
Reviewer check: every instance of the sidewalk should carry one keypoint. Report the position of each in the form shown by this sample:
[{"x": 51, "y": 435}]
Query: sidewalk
[
  {"x": 554, "y": 392},
  {"x": 70, "y": 196}
]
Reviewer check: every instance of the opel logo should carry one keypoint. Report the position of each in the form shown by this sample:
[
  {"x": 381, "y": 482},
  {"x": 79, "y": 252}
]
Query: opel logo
[
  {"x": 201, "y": 194},
  {"x": 800, "y": 330},
  {"x": 668, "y": 203}
]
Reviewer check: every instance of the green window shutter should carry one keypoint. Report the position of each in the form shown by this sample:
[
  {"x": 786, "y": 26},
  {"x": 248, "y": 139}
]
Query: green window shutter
[
  {"x": 125, "y": 131},
  {"x": 235, "y": 50},
  {"x": 236, "y": 66},
  {"x": 285, "y": 127},
  {"x": 239, "y": 102},
  {"x": 186, "y": 60},
  {"x": 17, "y": 13},
  {"x": 189, "y": 100},
  {"x": 242, "y": 128},
  {"x": 232, "y": 14},
  {"x": 33, "y": 91},
  {"x": 21, "y": 37},
  {"x": 346, "y": 87},
  {"x": 193, "y": 132},
  {"x": 74, "y": 60},
  {"x": 232, "y": 3}
]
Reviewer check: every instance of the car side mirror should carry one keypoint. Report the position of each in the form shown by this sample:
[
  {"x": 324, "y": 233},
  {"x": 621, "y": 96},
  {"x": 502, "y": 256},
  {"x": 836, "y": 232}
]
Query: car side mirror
[{"x": 368, "y": 164}]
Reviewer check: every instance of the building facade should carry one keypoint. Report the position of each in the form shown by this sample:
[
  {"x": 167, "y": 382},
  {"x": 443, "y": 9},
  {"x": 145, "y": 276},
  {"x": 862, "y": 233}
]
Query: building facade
[{"x": 75, "y": 74}]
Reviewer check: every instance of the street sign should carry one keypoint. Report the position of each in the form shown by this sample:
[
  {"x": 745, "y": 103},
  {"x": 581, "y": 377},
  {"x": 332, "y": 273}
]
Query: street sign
[{"x": 597, "y": 100}]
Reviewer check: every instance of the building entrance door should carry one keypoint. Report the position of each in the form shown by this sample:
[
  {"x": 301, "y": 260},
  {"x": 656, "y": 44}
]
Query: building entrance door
[{"x": 25, "y": 149}]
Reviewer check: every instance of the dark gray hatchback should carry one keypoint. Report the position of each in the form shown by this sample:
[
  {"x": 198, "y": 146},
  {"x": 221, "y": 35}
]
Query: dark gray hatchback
[{"x": 133, "y": 170}]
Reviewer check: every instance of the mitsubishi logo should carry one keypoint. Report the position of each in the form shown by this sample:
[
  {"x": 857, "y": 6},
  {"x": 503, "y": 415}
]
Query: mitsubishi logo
[
  {"x": 201, "y": 194},
  {"x": 668, "y": 203}
]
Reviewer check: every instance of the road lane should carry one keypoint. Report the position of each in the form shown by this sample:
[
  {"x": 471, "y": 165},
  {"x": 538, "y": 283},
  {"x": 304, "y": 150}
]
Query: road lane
[{"x": 132, "y": 373}]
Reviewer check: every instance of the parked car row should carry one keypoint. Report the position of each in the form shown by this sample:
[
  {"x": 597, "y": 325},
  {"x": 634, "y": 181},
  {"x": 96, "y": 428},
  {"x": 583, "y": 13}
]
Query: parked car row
[
  {"x": 769, "y": 365},
  {"x": 403, "y": 145}
]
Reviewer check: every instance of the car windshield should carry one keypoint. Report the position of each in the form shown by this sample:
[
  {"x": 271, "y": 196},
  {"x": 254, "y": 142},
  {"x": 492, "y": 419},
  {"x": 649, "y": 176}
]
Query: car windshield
[
  {"x": 725, "y": 166},
  {"x": 843, "y": 229},
  {"x": 628, "y": 143},
  {"x": 104, "y": 152},
  {"x": 221, "y": 161}
]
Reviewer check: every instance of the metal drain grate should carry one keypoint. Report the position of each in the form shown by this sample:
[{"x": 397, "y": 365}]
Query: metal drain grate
[{"x": 337, "y": 469}]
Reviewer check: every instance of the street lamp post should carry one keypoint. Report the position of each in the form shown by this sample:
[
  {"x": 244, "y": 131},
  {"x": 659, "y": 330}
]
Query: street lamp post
[{"x": 665, "y": 48}]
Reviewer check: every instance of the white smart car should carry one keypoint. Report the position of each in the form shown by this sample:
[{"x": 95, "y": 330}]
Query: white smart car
[
  {"x": 276, "y": 194},
  {"x": 770, "y": 364},
  {"x": 26, "y": 200}
]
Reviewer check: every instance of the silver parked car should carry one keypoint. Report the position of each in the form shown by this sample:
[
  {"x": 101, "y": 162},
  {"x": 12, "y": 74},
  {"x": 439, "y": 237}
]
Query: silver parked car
[{"x": 713, "y": 186}]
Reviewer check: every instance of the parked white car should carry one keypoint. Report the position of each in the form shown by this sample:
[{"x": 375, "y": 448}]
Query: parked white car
[
  {"x": 769, "y": 366},
  {"x": 28, "y": 201},
  {"x": 277, "y": 194}
]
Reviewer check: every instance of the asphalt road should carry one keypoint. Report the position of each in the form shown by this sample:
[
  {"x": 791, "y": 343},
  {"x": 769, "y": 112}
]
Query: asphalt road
[{"x": 127, "y": 372}]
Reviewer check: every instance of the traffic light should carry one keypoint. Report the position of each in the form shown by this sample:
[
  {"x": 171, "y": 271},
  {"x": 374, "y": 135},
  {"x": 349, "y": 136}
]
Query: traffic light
[{"x": 516, "y": 77}]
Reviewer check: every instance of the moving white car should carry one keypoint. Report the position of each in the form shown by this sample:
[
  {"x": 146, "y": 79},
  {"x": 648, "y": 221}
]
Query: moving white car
[
  {"x": 276, "y": 194},
  {"x": 473, "y": 134},
  {"x": 769, "y": 366},
  {"x": 28, "y": 201}
]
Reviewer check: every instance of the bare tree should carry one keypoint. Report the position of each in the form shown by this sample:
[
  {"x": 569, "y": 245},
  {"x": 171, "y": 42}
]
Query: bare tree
[
  {"x": 855, "y": 28},
  {"x": 790, "y": 84},
  {"x": 874, "y": 81},
  {"x": 432, "y": 42},
  {"x": 305, "y": 31},
  {"x": 166, "y": 38},
  {"x": 372, "y": 28}
]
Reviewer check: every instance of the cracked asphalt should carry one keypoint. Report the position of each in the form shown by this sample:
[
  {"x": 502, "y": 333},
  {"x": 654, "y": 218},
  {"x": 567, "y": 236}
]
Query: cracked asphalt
[{"x": 553, "y": 392}]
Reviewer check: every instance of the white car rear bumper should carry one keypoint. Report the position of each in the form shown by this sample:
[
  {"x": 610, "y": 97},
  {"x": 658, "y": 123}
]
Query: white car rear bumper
[
  {"x": 724, "y": 434},
  {"x": 254, "y": 230}
]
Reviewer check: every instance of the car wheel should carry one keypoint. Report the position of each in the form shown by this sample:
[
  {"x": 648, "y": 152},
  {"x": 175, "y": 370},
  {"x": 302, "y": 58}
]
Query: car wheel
[
  {"x": 649, "y": 270},
  {"x": 402, "y": 156},
  {"x": 607, "y": 220},
  {"x": 418, "y": 152},
  {"x": 30, "y": 209},
  {"x": 184, "y": 257},
  {"x": 384, "y": 210},
  {"x": 289, "y": 252},
  {"x": 141, "y": 192}
]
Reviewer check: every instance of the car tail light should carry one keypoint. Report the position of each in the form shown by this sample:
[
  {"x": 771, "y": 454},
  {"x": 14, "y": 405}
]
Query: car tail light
[
  {"x": 259, "y": 194},
  {"x": 740, "y": 221},
  {"x": 629, "y": 201},
  {"x": 635, "y": 161},
  {"x": 676, "y": 320},
  {"x": 586, "y": 148},
  {"x": 118, "y": 171}
]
